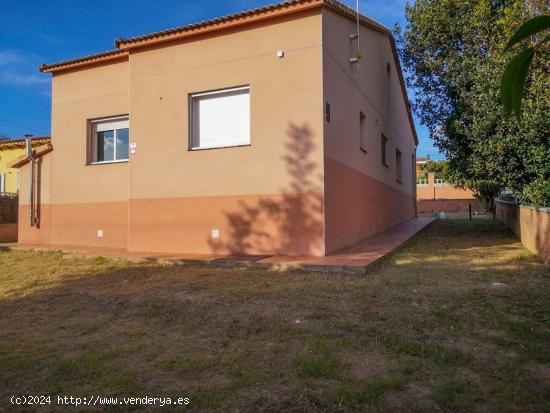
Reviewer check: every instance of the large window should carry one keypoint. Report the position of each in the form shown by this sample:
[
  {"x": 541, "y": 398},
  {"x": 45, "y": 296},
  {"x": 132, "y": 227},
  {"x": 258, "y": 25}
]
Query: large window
[
  {"x": 110, "y": 140},
  {"x": 220, "y": 118}
]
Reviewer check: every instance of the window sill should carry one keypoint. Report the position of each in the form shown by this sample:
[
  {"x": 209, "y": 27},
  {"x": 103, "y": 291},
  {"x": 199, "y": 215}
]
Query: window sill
[
  {"x": 107, "y": 162},
  {"x": 218, "y": 147},
  {"x": 386, "y": 165},
  {"x": 399, "y": 181},
  {"x": 363, "y": 150}
]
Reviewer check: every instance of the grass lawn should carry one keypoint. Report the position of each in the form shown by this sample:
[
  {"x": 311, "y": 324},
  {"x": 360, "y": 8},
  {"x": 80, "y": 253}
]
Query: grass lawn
[{"x": 459, "y": 320}]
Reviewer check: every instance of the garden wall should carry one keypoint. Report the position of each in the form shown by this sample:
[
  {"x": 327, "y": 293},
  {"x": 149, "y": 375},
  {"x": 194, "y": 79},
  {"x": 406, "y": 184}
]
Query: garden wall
[
  {"x": 427, "y": 206},
  {"x": 9, "y": 204},
  {"x": 532, "y": 226}
]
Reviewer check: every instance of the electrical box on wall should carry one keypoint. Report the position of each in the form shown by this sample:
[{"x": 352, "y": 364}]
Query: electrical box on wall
[
  {"x": 100, "y": 233},
  {"x": 215, "y": 233}
]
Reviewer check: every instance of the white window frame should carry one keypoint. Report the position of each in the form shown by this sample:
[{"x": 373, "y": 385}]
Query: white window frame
[
  {"x": 93, "y": 139},
  {"x": 195, "y": 97},
  {"x": 2, "y": 183}
]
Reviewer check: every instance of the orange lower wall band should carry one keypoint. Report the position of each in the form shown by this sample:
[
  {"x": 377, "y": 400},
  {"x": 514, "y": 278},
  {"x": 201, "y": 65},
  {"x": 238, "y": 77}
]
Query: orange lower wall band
[
  {"x": 355, "y": 207},
  {"x": 358, "y": 206},
  {"x": 287, "y": 223}
]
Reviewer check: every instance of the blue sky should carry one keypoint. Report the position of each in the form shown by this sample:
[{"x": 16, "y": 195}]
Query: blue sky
[{"x": 45, "y": 31}]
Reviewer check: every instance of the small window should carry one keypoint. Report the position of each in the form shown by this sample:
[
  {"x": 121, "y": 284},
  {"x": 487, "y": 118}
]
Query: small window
[
  {"x": 220, "y": 119},
  {"x": 398, "y": 166},
  {"x": 362, "y": 132},
  {"x": 384, "y": 143},
  {"x": 110, "y": 140},
  {"x": 2, "y": 183}
]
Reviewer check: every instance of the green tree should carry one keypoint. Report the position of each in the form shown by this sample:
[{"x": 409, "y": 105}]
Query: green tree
[
  {"x": 452, "y": 52},
  {"x": 515, "y": 74},
  {"x": 440, "y": 168}
]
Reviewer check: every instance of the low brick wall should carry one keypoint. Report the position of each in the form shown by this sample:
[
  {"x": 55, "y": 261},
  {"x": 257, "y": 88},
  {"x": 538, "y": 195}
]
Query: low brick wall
[
  {"x": 427, "y": 206},
  {"x": 532, "y": 226},
  {"x": 8, "y": 232}
]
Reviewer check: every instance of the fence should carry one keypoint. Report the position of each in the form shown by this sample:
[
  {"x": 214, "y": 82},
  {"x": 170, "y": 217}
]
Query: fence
[
  {"x": 532, "y": 225},
  {"x": 9, "y": 204}
]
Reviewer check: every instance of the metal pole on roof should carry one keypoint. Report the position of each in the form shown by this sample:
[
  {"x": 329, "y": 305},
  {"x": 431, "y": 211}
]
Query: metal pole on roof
[
  {"x": 355, "y": 36},
  {"x": 28, "y": 147}
]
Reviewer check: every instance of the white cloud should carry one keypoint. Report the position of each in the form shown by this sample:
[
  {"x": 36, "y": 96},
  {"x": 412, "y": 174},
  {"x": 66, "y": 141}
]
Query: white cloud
[
  {"x": 20, "y": 70},
  {"x": 8, "y": 57},
  {"x": 10, "y": 78}
]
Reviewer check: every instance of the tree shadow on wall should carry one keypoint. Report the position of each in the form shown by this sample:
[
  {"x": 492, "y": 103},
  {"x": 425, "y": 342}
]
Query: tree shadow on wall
[{"x": 289, "y": 223}]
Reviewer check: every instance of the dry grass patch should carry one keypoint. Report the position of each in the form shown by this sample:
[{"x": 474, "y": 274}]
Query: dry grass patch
[{"x": 456, "y": 321}]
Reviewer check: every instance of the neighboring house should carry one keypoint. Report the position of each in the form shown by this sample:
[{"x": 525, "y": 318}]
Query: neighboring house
[
  {"x": 10, "y": 150},
  {"x": 251, "y": 133}
]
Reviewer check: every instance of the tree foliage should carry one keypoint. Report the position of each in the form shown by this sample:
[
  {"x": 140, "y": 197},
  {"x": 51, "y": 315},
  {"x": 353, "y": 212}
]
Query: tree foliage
[
  {"x": 439, "y": 168},
  {"x": 515, "y": 74},
  {"x": 453, "y": 54}
]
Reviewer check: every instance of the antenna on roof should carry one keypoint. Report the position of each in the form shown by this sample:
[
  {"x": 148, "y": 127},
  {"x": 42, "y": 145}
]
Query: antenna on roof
[{"x": 354, "y": 60}]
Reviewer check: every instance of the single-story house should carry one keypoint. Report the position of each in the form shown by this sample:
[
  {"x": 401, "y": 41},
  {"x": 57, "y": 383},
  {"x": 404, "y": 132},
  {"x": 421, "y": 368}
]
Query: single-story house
[
  {"x": 283, "y": 130},
  {"x": 11, "y": 150}
]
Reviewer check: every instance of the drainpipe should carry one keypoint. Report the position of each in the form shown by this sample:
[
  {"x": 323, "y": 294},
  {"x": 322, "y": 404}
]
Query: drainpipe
[{"x": 28, "y": 147}]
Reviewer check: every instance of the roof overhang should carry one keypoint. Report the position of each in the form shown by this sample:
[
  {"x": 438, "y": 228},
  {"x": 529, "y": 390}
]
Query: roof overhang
[
  {"x": 109, "y": 56},
  {"x": 21, "y": 143},
  {"x": 37, "y": 153},
  {"x": 222, "y": 23}
]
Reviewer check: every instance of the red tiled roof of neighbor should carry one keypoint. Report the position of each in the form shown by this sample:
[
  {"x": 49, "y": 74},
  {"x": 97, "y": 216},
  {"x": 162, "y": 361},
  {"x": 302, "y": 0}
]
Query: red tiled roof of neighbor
[
  {"x": 36, "y": 140},
  {"x": 232, "y": 20}
]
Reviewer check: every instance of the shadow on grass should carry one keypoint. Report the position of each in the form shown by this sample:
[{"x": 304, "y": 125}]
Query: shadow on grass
[{"x": 260, "y": 340}]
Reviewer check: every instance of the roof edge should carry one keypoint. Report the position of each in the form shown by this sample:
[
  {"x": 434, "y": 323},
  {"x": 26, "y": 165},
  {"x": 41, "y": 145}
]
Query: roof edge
[
  {"x": 219, "y": 23},
  {"x": 21, "y": 142},
  {"x": 84, "y": 61},
  {"x": 37, "y": 153},
  {"x": 403, "y": 88}
]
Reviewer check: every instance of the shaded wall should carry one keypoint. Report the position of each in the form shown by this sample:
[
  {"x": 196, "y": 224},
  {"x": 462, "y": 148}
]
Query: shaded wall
[
  {"x": 363, "y": 196},
  {"x": 531, "y": 225}
]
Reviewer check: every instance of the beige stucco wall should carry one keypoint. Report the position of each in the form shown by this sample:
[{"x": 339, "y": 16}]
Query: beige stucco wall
[
  {"x": 167, "y": 198},
  {"x": 285, "y": 94},
  {"x": 79, "y": 199},
  {"x": 302, "y": 187},
  {"x": 286, "y": 117},
  {"x": 380, "y": 99},
  {"x": 531, "y": 225},
  {"x": 78, "y": 96}
]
